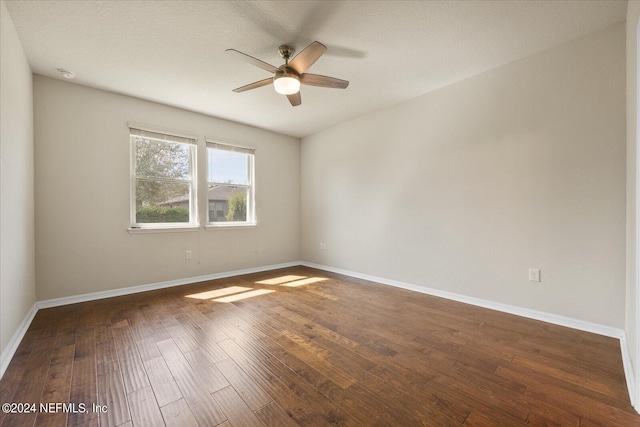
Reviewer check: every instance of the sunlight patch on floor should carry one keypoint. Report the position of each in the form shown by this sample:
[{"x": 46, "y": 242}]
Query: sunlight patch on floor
[
  {"x": 237, "y": 293},
  {"x": 244, "y": 295},
  {"x": 291, "y": 281},
  {"x": 302, "y": 282},
  {"x": 280, "y": 280},
  {"x": 217, "y": 293}
]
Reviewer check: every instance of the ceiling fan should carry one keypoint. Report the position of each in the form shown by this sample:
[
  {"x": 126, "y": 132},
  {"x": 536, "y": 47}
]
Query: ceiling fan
[{"x": 288, "y": 77}]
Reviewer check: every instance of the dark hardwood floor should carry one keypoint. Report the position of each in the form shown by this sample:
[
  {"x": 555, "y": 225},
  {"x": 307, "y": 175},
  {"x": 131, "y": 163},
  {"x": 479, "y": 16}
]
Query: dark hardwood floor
[{"x": 305, "y": 347}]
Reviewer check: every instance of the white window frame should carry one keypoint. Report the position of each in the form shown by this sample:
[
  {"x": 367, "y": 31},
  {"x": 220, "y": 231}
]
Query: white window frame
[
  {"x": 159, "y": 134},
  {"x": 215, "y": 143}
]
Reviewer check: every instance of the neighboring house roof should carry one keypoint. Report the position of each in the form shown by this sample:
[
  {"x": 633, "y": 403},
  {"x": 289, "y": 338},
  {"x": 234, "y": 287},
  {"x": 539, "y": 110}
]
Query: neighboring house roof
[
  {"x": 216, "y": 192},
  {"x": 222, "y": 192}
]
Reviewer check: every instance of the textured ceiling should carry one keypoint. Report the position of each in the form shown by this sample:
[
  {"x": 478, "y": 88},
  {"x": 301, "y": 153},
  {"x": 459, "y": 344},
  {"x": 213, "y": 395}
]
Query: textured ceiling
[{"x": 173, "y": 52}]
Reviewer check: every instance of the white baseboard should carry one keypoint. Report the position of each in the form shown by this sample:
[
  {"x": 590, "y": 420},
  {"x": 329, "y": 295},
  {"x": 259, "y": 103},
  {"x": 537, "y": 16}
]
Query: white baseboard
[
  {"x": 519, "y": 311},
  {"x": 14, "y": 342},
  {"x": 505, "y": 308},
  {"x": 629, "y": 372},
  {"x": 159, "y": 285}
]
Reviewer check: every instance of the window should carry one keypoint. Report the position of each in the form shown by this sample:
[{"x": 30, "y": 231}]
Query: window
[
  {"x": 230, "y": 185},
  {"x": 163, "y": 184}
]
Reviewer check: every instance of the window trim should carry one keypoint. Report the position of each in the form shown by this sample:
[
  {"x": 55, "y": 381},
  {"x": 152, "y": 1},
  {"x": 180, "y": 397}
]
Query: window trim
[
  {"x": 226, "y": 145},
  {"x": 159, "y": 134},
  {"x": 140, "y": 230}
]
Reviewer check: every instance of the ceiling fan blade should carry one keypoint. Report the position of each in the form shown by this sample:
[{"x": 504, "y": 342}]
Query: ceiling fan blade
[
  {"x": 254, "y": 85},
  {"x": 253, "y": 61},
  {"x": 307, "y": 57},
  {"x": 295, "y": 99},
  {"x": 323, "y": 81}
]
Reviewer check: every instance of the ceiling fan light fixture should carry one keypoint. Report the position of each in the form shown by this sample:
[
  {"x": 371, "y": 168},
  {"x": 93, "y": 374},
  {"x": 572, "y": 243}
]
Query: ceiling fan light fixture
[
  {"x": 287, "y": 84},
  {"x": 288, "y": 77}
]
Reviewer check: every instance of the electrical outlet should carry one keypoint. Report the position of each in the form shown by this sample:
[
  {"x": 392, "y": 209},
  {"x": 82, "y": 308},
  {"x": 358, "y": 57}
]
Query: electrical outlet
[
  {"x": 323, "y": 246},
  {"x": 188, "y": 255},
  {"x": 534, "y": 274}
]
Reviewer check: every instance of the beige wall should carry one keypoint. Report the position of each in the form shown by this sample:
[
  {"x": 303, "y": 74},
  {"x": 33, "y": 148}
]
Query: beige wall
[
  {"x": 465, "y": 188},
  {"x": 17, "y": 251},
  {"x": 82, "y": 196},
  {"x": 632, "y": 303}
]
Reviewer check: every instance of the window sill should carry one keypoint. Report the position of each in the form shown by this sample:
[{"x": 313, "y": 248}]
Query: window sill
[
  {"x": 223, "y": 226},
  {"x": 148, "y": 230}
]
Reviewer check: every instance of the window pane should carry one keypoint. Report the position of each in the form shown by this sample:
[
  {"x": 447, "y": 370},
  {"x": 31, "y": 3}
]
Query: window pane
[
  {"x": 160, "y": 201},
  {"x": 228, "y": 167},
  {"x": 161, "y": 159},
  {"x": 227, "y": 203}
]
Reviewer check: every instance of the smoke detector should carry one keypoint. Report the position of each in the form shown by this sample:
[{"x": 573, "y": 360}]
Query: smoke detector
[{"x": 66, "y": 74}]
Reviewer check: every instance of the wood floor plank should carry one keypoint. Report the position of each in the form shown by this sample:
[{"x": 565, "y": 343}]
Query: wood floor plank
[
  {"x": 210, "y": 374},
  {"x": 317, "y": 349},
  {"x": 316, "y": 359},
  {"x": 178, "y": 414},
  {"x": 94, "y": 422},
  {"x": 84, "y": 389},
  {"x": 85, "y": 342},
  {"x": 423, "y": 404},
  {"x": 32, "y": 382},
  {"x": 297, "y": 408},
  {"x": 251, "y": 392},
  {"x": 57, "y": 385},
  {"x": 106, "y": 354},
  {"x": 147, "y": 348},
  {"x": 297, "y": 382},
  {"x": 273, "y": 415},
  {"x": 237, "y": 411},
  {"x": 205, "y": 410},
  {"x": 477, "y": 419},
  {"x": 133, "y": 373},
  {"x": 312, "y": 354},
  {"x": 558, "y": 397},
  {"x": 162, "y": 382},
  {"x": 609, "y": 389},
  {"x": 111, "y": 394},
  {"x": 17, "y": 367},
  {"x": 144, "y": 408}
]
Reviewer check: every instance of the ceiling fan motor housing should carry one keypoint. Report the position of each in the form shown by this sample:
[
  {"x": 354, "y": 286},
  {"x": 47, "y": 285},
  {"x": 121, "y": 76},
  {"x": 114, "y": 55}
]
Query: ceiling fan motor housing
[{"x": 286, "y": 51}]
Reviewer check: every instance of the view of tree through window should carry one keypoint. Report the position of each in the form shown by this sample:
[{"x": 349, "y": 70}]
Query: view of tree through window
[{"x": 163, "y": 180}]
